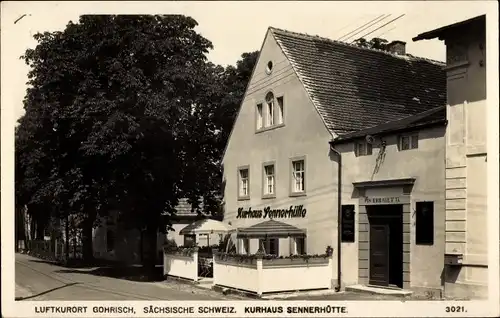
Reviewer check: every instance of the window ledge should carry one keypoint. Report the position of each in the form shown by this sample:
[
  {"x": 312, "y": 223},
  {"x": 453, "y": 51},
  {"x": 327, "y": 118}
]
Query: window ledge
[
  {"x": 297, "y": 194},
  {"x": 269, "y": 196},
  {"x": 245, "y": 198},
  {"x": 408, "y": 149},
  {"x": 264, "y": 129}
]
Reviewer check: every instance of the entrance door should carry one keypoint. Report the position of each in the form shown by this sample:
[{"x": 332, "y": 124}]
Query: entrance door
[{"x": 379, "y": 254}]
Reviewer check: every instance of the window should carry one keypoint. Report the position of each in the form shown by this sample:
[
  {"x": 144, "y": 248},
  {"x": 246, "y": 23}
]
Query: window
[
  {"x": 269, "y": 181},
  {"x": 269, "y": 67},
  {"x": 424, "y": 223},
  {"x": 363, "y": 149},
  {"x": 190, "y": 240},
  {"x": 408, "y": 142},
  {"x": 270, "y": 114},
  {"x": 260, "y": 120},
  {"x": 298, "y": 176},
  {"x": 110, "y": 240},
  {"x": 244, "y": 184},
  {"x": 270, "y": 109},
  {"x": 299, "y": 246},
  {"x": 280, "y": 110},
  {"x": 269, "y": 246}
]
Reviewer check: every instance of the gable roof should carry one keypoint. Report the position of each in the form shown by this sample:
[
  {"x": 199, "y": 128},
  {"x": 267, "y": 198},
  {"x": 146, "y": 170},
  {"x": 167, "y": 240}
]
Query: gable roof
[
  {"x": 431, "y": 117},
  {"x": 353, "y": 88},
  {"x": 452, "y": 28}
]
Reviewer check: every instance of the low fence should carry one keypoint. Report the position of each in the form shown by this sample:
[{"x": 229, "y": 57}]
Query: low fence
[
  {"x": 260, "y": 276},
  {"x": 53, "y": 251},
  {"x": 181, "y": 263}
]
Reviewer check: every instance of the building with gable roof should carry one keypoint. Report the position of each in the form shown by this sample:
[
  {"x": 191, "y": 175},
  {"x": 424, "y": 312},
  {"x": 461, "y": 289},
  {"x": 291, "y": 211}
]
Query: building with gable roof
[
  {"x": 332, "y": 136},
  {"x": 113, "y": 241},
  {"x": 466, "y": 157}
]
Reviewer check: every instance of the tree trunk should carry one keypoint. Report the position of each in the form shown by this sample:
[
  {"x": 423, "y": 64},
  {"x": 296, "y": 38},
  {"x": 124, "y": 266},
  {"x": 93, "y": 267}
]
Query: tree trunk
[
  {"x": 87, "y": 242},
  {"x": 66, "y": 239},
  {"x": 150, "y": 240}
]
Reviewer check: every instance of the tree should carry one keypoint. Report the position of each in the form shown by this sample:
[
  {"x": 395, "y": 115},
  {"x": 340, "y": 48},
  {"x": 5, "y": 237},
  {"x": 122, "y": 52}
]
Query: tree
[
  {"x": 115, "y": 97},
  {"x": 374, "y": 43},
  {"x": 235, "y": 82},
  {"x": 125, "y": 113},
  {"x": 211, "y": 122}
]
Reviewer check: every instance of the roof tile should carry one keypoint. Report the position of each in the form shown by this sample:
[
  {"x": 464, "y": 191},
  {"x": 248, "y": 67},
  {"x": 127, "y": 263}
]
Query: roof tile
[{"x": 354, "y": 88}]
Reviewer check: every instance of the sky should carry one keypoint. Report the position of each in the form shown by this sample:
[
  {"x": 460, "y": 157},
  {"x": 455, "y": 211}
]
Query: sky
[{"x": 233, "y": 27}]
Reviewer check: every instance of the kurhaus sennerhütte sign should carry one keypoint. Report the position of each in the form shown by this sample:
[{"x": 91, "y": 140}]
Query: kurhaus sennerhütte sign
[{"x": 297, "y": 211}]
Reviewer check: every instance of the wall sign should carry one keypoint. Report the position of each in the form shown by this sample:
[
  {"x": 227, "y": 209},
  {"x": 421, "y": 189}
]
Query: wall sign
[
  {"x": 384, "y": 200},
  {"x": 348, "y": 223},
  {"x": 297, "y": 211}
]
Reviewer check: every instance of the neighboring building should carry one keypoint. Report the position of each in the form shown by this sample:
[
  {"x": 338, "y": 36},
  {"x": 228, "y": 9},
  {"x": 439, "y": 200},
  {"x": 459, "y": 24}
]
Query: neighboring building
[
  {"x": 304, "y": 92},
  {"x": 395, "y": 184},
  {"x": 466, "y": 156},
  {"x": 113, "y": 241}
]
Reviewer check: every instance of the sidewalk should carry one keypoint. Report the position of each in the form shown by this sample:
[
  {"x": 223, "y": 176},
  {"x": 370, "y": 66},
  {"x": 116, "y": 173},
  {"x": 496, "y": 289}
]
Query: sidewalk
[{"x": 22, "y": 292}]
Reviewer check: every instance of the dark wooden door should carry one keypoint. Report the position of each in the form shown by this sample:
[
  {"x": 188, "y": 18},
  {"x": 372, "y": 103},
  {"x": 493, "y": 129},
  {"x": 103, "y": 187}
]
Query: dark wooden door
[{"x": 379, "y": 254}]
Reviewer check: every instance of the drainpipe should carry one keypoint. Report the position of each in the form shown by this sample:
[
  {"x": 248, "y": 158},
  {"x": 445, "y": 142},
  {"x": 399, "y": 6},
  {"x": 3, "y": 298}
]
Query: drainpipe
[{"x": 339, "y": 218}]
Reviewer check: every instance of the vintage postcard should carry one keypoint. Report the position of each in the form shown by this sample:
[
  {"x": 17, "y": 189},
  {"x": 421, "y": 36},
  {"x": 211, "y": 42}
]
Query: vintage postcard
[{"x": 250, "y": 159}]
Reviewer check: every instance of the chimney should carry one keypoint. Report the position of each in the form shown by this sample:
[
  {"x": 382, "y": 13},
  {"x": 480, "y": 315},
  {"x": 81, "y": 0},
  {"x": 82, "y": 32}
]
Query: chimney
[{"x": 397, "y": 47}]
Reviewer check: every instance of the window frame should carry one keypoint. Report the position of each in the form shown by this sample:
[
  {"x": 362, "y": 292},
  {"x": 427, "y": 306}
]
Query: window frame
[
  {"x": 265, "y": 194},
  {"x": 276, "y": 112},
  {"x": 366, "y": 145},
  {"x": 259, "y": 116},
  {"x": 293, "y": 160},
  {"x": 239, "y": 182},
  {"x": 281, "y": 110},
  {"x": 270, "y": 105},
  {"x": 411, "y": 138}
]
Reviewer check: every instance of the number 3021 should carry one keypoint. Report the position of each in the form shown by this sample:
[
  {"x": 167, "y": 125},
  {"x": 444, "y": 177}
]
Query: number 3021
[{"x": 455, "y": 309}]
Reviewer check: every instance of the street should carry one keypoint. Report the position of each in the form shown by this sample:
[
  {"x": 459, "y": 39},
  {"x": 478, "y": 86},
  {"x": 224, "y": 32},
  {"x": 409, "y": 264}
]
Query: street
[{"x": 38, "y": 280}]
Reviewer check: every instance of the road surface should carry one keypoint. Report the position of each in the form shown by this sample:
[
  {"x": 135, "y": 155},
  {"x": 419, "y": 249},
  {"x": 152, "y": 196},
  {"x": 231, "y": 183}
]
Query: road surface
[{"x": 39, "y": 280}]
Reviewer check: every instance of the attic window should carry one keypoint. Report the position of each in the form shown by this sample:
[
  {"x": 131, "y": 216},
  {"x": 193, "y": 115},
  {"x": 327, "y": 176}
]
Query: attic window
[{"x": 269, "y": 67}]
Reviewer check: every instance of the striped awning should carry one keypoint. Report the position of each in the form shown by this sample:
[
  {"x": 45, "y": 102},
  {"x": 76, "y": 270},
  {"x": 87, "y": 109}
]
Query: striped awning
[{"x": 271, "y": 228}]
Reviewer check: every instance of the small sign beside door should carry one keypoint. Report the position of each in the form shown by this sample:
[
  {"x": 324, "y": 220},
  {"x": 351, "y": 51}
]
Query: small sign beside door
[{"x": 348, "y": 223}]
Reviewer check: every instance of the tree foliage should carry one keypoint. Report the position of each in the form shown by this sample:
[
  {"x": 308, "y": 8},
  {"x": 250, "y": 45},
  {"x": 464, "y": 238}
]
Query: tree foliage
[
  {"x": 374, "y": 43},
  {"x": 125, "y": 113}
]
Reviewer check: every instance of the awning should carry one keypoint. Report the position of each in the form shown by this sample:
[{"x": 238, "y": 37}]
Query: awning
[
  {"x": 271, "y": 228},
  {"x": 205, "y": 226}
]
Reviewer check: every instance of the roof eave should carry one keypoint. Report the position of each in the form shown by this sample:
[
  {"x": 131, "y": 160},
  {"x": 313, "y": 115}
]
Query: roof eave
[
  {"x": 442, "y": 32},
  {"x": 347, "y": 139}
]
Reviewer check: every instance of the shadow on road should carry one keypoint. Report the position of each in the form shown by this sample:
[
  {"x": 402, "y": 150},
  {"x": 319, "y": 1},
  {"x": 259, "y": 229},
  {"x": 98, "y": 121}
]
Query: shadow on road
[
  {"x": 131, "y": 273},
  {"x": 45, "y": 292},
  {"x": 77, "y": 263}
]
